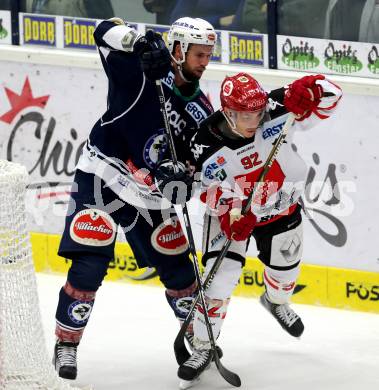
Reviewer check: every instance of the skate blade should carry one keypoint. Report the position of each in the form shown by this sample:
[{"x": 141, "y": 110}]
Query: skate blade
[{"x": 183, "y": 384}]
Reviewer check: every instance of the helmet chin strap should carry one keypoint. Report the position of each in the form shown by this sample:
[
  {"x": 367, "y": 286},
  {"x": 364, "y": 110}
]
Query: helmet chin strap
[
  {"x": 232, "y": 125},
  {"x": 182, "y": 75},
  {"x": 179, "y": 64}
]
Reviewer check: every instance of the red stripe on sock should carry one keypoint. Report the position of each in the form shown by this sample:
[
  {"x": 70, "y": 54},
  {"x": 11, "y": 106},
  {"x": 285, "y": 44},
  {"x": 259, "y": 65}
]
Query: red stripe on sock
[
  {"x": 68, "y": 336},
  {"x": 289, "y": 287},
  {"x": 182, "y": 293},
  {"x": 78, "y": 294},
  {"x": 269, "y": 281}
]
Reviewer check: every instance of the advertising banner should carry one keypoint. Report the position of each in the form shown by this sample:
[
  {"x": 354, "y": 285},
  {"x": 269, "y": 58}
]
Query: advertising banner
[
  {"x": 326, "y": 56},
  {"x": 5, "y": 27},
  {"x": 246, "y": 49},
  {"x": 46, "y": 114},
  {"x": 38, "y": 30},
  {"x": 77, "y": 33}
]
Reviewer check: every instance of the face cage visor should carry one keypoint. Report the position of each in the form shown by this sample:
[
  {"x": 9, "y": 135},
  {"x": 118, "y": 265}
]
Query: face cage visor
[{"x": 245, "y": 117}]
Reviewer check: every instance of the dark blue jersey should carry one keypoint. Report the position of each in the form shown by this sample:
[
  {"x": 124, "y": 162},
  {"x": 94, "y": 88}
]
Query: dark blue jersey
[
  {"x": 132, "y": 127},
  {"x": 126, "y": 143}
]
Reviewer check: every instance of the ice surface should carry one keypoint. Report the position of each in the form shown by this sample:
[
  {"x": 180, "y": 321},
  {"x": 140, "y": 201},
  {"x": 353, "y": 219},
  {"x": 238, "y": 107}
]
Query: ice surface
[{"x": 128, "y": 344}]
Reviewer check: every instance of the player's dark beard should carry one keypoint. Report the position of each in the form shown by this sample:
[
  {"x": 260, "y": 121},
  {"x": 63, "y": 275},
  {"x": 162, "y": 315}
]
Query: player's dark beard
[
  {"x": 188, "y": 74},
  {"x": 188, "y": 89}
]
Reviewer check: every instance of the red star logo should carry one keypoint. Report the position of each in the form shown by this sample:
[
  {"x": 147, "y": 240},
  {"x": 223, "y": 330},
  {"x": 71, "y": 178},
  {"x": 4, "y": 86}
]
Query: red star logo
[{"x": 19, "y": 102}]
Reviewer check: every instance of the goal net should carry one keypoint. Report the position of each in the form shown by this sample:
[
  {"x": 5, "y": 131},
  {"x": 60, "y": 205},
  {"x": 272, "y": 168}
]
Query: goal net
[{"x": 24, "y": 361}]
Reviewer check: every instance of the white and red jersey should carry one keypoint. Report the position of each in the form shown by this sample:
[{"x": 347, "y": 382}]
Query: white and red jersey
[{"x": 229, "y": 166}]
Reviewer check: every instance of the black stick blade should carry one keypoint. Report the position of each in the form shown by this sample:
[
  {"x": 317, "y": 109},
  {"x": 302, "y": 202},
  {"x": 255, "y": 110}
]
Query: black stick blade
[{"x": 231, "y": 377}]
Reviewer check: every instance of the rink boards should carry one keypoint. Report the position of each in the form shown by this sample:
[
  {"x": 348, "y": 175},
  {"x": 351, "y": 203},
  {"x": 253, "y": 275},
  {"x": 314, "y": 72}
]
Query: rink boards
[{"x": 317, "y": 284}]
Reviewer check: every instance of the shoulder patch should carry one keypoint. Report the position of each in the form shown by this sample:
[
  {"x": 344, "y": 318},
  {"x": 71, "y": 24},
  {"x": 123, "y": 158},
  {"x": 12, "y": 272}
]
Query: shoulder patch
[{"x": 154, "y": 148}]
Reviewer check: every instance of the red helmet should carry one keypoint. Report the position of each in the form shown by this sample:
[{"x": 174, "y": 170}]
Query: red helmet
[{"x": 242, "y": 93}]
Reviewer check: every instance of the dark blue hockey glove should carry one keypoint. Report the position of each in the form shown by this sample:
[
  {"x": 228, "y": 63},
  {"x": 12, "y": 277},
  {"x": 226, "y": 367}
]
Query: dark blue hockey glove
[
  {"x": 154, "y": 55},
  {"x": 176, "y": 187}
]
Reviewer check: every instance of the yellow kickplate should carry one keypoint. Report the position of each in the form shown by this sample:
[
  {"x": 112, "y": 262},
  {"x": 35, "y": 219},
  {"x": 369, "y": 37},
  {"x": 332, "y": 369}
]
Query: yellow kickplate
[
  {"x": 317, "y": 285},
  {"x": 351, "y": 289}
]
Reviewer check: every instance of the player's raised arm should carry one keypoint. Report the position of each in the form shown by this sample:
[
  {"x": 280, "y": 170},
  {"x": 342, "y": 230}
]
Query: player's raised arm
[{"x": 114, "y": 34}]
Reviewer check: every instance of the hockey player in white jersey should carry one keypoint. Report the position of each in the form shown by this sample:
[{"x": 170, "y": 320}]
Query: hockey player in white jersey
[{"x": 229, "y": 151}]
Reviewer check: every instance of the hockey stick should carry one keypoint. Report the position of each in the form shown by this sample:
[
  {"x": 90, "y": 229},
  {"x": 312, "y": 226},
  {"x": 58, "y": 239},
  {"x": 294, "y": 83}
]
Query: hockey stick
[
  {"x": 180, "y": 349},
  {"x": 228, "y": 375}
]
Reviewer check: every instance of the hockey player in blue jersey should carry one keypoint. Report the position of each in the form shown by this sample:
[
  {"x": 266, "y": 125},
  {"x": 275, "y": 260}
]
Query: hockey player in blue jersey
[{"x": 114, "y": 181}]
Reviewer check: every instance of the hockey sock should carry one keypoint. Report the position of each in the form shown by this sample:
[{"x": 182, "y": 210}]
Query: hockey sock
[
  {"x": 181, "y": 301},
  {"x": 73, "y": 311},
  {"x": 280, "y": 284},
  {"x": 217, "y": 298},
  {"x": 217, "y": 309}
]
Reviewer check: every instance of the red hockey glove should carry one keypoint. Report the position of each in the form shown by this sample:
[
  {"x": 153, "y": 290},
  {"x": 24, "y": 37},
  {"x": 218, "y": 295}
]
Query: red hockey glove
[
  {"x": 237, "y": 227},
  {"x": 303, "y": 96}
]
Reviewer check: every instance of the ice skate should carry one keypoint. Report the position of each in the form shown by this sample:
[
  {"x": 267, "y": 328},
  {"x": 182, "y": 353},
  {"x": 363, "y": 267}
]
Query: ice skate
[
  {"x": 64, "y": 359},
  {"x": 286, "y": 317},
  {"x": 190, "y": 370}
]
